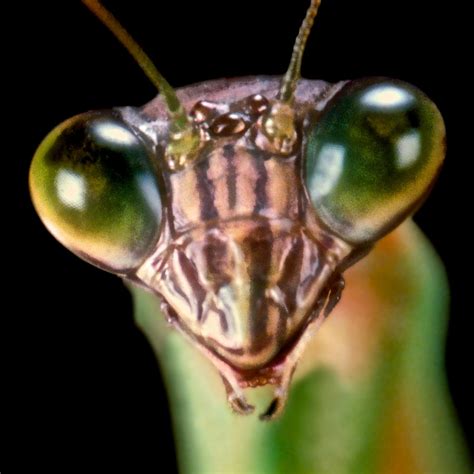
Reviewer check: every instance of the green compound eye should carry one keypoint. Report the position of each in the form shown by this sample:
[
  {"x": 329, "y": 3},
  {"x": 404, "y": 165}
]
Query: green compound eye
[
  {"x": 94, "y": 186},
  {"x": 372, "y": 157}
]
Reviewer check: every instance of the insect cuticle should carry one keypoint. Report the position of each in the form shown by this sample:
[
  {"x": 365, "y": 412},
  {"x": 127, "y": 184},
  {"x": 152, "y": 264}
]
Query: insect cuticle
[{"x": 241, "y": 214}]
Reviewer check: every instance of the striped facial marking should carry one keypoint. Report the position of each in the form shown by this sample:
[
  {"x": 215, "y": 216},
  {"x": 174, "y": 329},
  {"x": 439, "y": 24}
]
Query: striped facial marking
[
  {"x": 244, "y": 289},
  {"x": 239, "y": 265},
  {"x": 232, "y": 182}
]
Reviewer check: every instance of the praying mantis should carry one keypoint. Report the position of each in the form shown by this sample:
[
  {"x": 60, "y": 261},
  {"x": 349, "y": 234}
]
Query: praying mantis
[{"x": 238, "y": 402}]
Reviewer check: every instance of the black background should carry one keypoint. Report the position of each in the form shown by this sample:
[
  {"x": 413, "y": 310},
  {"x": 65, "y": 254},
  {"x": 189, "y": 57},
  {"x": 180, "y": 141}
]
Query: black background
[{"x": 85, "y": 385}]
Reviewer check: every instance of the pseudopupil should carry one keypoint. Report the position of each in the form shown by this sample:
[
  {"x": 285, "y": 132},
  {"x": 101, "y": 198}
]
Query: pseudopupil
[
  {"x": 94, "y": 186},
  {"x": 372, "y": 156}
]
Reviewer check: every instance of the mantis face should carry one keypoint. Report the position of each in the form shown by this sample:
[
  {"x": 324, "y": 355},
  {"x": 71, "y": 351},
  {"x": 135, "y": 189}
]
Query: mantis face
[{"x": 240, "y": 203}]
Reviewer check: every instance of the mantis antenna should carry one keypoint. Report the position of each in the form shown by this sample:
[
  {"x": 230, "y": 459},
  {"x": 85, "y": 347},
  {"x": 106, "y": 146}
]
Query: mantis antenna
[
  {"x": 292, "y": 76},
  {"x": 176, "y": 111},
  {"x": 278, "y": 126}
]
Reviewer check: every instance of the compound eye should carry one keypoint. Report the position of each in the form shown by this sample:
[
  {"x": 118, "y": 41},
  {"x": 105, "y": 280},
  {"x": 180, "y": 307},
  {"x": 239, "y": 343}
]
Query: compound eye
[
  {"x": 372, "y": 157},
  {"x": 94, "y": 186}
]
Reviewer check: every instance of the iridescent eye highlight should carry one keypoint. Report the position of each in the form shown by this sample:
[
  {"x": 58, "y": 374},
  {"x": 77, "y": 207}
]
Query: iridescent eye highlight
[
  {"x": 372, "y": 156},
  {"x": 94, "y": 186}
]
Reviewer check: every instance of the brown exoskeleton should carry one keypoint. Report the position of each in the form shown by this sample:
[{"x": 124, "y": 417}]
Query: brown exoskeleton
[{"x": 239, "y": 203}]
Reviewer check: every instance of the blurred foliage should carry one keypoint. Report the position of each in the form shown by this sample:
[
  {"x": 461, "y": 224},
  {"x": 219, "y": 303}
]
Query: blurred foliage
[{"x": 369, "y": 395}]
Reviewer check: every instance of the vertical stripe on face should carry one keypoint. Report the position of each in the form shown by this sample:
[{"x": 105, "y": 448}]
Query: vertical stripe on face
[
  {"x": 229, "y": 154},
  {"x": 206, "y": 190},
  {"x": 258, "y": 255},
  {"x": 260, "y": 190}
]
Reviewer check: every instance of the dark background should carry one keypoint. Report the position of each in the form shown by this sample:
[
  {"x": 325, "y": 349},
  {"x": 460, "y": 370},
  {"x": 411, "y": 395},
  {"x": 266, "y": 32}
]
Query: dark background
[{"x": 86, "y": 386}]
